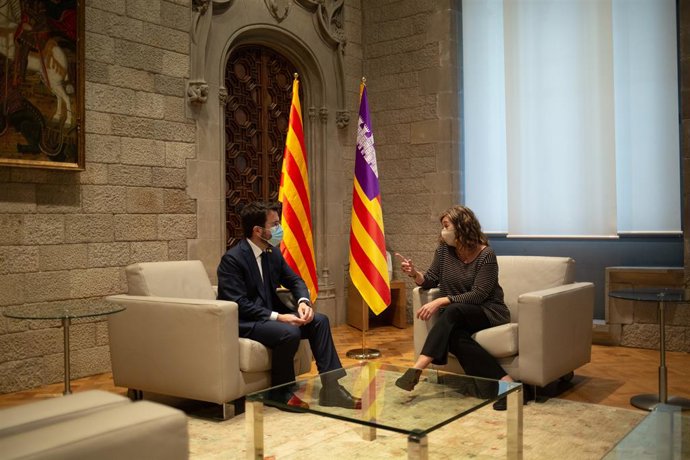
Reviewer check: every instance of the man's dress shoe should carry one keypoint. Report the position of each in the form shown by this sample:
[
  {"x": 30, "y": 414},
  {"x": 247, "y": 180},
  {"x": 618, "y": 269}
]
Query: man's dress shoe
[
  {"x": 294, "y": 403},
  {"x": 337, "y": 396}
]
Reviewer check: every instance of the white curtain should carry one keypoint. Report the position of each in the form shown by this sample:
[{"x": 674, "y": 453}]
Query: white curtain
[
  {"x": 570, "y": 118},
  {"x": 486, "y": 180},
  {"x": 647, "y": 139}
]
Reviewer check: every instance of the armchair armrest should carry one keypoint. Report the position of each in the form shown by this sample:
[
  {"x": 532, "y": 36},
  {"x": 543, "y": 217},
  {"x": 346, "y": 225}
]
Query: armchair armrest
[
  {"x": 177, "y": 347},
  {"x": 555, "y": 331},
  {"x": 287, "y": 298},
  {"x": 421, "y": 328},
  {"x": 283, "y": 293}
]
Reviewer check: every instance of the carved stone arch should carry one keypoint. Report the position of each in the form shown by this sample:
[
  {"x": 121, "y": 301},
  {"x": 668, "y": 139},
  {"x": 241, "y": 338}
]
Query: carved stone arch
[
  {"x": 311, "y": 86},
  {"x": 311, "y": 76},
  {"x": 300, "y": 38}
]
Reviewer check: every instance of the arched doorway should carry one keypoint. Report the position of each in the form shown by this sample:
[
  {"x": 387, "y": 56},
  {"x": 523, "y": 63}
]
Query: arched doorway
[
  {"x": 313, "y": 40},
  {"x": 259, "y": 84}
]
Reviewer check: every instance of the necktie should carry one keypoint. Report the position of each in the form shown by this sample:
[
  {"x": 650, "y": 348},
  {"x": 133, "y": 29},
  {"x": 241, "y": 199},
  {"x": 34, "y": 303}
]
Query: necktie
[{"x": 265, "y": 271}]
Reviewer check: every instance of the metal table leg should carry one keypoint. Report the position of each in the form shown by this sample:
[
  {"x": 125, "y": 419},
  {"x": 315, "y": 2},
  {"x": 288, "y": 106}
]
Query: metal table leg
[
  {"x": 649, "y": 401},
  {"x": 65, "y": 332},
  {"x": 368, "y": 401},
  {"x": 417, "y": 446},
  {"x": 514, "y": 435},
  {"x": 254, "y": 415}
]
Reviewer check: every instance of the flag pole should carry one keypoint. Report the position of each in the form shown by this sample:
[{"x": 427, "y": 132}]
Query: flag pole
[
  {"x": 297, "y": 245},
  {"x": 364, "y": 352}
]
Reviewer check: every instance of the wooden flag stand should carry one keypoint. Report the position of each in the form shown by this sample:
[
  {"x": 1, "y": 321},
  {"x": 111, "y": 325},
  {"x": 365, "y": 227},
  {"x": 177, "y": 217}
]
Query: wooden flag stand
[{"x": 364, "y": 352}]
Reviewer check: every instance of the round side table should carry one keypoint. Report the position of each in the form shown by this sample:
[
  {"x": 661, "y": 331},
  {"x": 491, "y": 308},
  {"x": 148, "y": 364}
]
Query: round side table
[
  {"x": 66, "y": 314},
  {"x": 661, "y": 296}
]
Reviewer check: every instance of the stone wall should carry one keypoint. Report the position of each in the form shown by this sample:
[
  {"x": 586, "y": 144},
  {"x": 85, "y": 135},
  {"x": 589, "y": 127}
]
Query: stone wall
[
  {"x": 411, "y": 61},
  {"x": 684, "y": 72},
  {"x": 65, "y": 236}
]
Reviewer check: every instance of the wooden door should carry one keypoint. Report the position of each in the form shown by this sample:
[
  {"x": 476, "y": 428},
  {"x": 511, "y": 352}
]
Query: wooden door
[{"x": 259, "y": 83}]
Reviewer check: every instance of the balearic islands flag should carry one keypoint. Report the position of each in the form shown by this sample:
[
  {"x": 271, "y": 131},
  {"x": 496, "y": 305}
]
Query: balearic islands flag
[
  {"x": 368, "y": 266},
  {"x": 297, "y": 246}
]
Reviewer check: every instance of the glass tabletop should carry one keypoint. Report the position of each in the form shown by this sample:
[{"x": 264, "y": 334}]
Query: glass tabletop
[
  {"x": 652, "y": 294},
  {"x": 664, "y": 433},
  {"x": 61, "y": 311},
  {"x": 438, "y": 399}
]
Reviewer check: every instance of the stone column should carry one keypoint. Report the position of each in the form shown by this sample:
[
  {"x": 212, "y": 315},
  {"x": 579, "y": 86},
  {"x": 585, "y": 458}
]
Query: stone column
[
  {"x": 684, "y": 67},
  {"x": 317, "y": 171}
]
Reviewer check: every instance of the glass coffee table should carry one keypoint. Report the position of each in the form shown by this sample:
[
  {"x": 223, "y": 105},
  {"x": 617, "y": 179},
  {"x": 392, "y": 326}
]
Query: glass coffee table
[
  {"x": 65, "y": 313},
  {"x": 663, "y": 434},
  {"x": 438, "y": 399}
]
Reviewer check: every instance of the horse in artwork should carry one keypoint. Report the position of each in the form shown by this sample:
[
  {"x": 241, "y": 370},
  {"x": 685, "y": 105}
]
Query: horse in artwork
[{"x": 50, "y": 63}]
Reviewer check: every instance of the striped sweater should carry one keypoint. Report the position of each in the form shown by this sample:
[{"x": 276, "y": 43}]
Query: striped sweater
[{"x": 472, "y": 283}]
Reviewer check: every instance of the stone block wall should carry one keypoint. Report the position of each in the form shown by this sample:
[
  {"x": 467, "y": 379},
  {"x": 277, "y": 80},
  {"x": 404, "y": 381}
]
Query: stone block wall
[
  {"x": 411, "y": 61},
  {"x": 684, "y": 68},
  {"x": 65, "y": 236}
]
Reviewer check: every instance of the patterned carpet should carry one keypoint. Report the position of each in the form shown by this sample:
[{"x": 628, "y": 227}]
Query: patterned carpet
[{"x": 554, "y": 429}]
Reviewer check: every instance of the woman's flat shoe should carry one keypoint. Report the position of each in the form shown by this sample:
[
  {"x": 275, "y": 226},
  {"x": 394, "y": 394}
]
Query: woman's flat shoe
[
  {"x": 501, "y": 404},
  {"x": 528, "y": 394},
  {"x": 409, "y": 379}
]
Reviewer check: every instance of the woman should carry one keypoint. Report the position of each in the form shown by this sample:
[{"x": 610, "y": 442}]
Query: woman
[{"x": 466, "y": 271}]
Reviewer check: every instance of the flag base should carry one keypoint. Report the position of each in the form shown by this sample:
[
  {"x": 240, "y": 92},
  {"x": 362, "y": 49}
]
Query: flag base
[{"x": 363, "y": 353}]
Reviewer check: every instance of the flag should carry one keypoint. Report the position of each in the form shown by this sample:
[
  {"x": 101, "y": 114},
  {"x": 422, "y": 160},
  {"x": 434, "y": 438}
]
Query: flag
[
  {"x": 368, "y": 266},
  {"x": 370, "y": 385},
  {"x": 297, "y": 246}
]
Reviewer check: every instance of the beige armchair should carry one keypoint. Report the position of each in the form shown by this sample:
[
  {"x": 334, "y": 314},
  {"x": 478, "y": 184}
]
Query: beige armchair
[
  {"x": 550, "y": 333},
  {"x": 176, "y": 339},
  {"x": 93, "y": 424}
]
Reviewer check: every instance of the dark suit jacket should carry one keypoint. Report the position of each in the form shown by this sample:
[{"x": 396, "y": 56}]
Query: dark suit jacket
[{"x": 239, "y": 280}]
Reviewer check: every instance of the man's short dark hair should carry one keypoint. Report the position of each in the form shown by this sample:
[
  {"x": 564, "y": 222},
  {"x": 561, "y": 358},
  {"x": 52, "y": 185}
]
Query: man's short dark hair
[{"x": 255, "y": 214}]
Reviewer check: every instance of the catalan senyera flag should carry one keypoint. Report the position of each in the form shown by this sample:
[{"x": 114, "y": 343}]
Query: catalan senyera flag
[
  {"x": 297, "y": 246},
  {"x": 370, "y": 385},
  {"x": 368, "y": 266}
]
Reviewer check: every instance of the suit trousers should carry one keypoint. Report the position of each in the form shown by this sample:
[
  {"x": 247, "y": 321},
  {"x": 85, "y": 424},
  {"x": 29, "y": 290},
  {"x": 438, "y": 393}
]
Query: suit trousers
[
  {"x": 283, "y": 340},
  {"x": 453, "y": 332}
]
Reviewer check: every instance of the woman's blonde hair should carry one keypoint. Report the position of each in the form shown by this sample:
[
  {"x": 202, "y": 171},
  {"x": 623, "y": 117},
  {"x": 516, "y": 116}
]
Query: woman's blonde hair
[{"x": 468, "y": 230}]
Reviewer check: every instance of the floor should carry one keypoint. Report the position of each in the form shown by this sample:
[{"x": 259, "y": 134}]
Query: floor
[{"x": 614, "y": 375}]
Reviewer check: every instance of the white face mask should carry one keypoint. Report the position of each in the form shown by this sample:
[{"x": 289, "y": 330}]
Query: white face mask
[{"x": 448, "y": 235}]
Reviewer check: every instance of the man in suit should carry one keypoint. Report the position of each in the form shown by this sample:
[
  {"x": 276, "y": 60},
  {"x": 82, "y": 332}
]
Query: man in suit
[{"x": 249, "y": 274}]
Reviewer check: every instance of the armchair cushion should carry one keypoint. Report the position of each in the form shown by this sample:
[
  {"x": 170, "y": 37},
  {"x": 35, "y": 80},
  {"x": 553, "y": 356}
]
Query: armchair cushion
[
  {"x": 27, "y": 417},
  {"x": 520, "y": 274},
  {"x": 186, "y": 279},
  {"x": 130, "y": 430},
  {"x": 254, "y": 357},
  {"x": 501, "y": 341}
]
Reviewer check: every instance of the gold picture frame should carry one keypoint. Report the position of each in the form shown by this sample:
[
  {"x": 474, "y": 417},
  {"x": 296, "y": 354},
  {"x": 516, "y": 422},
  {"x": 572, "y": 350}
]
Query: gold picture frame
[{"x": 42, "y": 84}]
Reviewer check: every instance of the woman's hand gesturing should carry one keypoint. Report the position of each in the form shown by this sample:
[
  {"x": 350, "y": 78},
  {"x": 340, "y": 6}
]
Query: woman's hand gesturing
[{"x": 407, "y": 266}]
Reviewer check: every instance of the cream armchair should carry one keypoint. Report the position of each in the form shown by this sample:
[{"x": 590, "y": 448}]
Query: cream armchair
[
  {"x": 550, "y": 333},
  {"x": 176, "y": 339}
]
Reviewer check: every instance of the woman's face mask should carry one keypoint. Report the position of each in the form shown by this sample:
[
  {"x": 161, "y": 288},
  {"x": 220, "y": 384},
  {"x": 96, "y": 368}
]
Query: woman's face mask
[{"x": 448, "y": 235}]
